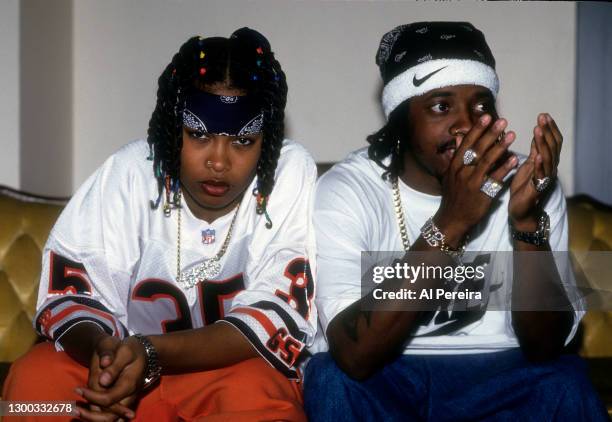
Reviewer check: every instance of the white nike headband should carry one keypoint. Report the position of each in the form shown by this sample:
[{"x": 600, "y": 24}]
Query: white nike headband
[
  {"x": 421, "y": 56},
  {"x": 434, "y": 74}
]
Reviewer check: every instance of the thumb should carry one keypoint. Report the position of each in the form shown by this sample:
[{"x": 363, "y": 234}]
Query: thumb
[{"x": 106, "y": 348}]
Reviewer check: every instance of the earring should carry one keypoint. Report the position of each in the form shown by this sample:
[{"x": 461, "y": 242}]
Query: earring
[{"x": 397, "y": 146}]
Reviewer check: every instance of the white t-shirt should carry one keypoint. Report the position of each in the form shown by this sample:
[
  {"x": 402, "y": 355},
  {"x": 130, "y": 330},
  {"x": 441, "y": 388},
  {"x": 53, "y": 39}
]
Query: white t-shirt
[
  {"x": 112, "y": 259},
  {"x": 354, "y": 213}
]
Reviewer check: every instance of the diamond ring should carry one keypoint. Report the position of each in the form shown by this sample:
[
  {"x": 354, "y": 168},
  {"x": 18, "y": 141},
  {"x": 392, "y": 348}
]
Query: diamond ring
[
  {"x": 491, "y": 187},
  {"x": 542, "y": 184},
  {"x": 469, "y": 156}
]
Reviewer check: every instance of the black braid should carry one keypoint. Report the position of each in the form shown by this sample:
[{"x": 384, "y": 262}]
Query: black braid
[
  {"x": 275, "y": 94},
  {"x": 244, "y": 61},
  {"x": 383, "y": 143}
]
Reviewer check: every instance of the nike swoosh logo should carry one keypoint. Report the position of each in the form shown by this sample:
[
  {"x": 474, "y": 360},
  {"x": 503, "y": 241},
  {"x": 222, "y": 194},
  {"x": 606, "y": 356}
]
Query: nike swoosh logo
[{"x": 419, "y": 82}]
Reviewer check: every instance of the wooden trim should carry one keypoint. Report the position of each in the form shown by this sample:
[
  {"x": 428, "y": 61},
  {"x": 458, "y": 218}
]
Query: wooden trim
[{"x": 32, "y": 197}]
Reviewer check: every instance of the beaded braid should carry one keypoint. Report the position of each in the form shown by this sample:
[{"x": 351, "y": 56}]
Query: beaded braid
[
  {"x": 275, "y": 95},
  {"x": 391, "y": 140},
  {"x": 165, "y": 127},
  {"x": 255, "y": 70}
]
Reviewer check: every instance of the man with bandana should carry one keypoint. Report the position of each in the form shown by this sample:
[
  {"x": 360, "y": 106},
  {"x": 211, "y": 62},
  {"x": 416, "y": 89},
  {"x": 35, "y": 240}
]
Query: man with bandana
[{"x": 439, "y": 183}]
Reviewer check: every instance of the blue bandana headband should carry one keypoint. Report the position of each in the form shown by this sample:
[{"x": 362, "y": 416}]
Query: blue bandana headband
[{"x": 222, "y": 114}]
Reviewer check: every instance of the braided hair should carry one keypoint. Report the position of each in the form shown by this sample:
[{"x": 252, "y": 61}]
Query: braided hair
[
  {"x": 244, "y": 61},
  {"x": 391, "y": 140}
]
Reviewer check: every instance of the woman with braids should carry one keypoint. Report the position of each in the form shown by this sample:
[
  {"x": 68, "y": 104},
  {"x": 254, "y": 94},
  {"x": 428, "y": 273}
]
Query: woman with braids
[{"x": 178, "y": 276}]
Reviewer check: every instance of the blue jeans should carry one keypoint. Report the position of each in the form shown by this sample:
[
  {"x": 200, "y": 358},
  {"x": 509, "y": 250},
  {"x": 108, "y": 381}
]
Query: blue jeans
[{"x": 499, "y": 386}]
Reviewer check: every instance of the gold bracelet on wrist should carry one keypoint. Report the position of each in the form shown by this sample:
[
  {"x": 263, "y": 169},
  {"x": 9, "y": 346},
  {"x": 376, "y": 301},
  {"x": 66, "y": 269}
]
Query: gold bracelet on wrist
[{"x": 435, "y": 238}]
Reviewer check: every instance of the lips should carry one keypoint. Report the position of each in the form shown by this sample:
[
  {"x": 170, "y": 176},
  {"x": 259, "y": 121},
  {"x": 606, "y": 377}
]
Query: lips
[
  {"x": 448, "y": 148},
  {"x": 215, "y": 187}
]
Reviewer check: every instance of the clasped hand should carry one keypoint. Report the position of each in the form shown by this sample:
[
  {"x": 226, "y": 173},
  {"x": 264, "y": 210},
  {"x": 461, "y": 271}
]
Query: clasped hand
[
  {"x": 463, "y": 203},
  {"x": 116, "y": 375}
]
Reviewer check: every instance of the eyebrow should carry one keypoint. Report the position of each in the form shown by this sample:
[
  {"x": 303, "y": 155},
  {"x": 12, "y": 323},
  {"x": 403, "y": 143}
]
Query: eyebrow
[
  {"x": 480, "y": 94},
  {"x": 439, "y": 94},
  {"x": 484, "y": 94}
]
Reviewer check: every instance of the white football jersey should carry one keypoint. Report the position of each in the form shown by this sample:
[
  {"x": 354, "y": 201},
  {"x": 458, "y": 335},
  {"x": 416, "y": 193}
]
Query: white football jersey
[
  {"x": 354, "y": 212},
  {"x": 112, "y": 259}
]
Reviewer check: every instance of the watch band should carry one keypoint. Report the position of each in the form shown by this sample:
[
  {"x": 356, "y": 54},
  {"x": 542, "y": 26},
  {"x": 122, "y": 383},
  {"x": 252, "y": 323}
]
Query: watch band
[
  {"x": 153, "y": 370},
  {"x": 538, "y": 237}
]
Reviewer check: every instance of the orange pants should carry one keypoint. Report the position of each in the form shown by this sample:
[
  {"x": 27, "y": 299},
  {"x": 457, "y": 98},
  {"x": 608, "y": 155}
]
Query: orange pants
[{"x": 248, "y": 391}]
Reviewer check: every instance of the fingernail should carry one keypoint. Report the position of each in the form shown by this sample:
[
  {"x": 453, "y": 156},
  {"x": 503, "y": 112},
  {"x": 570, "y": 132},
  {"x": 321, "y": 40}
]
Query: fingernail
[
  {"x": 500, "y": 124},
  {"x": 130, "y": 415},
  {"x": 78, "y": 391},
  {"x": 105, "y": 379},
  {"x": 76, "y": 412},
  {"x": 484, "y": 120}
]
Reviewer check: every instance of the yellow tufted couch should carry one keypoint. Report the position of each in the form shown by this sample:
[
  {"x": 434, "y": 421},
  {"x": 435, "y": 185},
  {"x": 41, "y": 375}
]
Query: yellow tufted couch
[{"x": 25, "y": 221}]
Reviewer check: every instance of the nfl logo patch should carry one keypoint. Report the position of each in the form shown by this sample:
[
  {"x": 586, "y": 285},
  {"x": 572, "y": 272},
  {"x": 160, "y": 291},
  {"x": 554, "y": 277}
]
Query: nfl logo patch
[{"x": 208, "y": 236}]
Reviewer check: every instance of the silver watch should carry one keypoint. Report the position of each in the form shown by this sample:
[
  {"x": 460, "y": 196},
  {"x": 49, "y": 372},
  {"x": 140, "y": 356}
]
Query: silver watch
[
  {"x": 153, "y": 369},
  {"x": 538, "y": 237}
]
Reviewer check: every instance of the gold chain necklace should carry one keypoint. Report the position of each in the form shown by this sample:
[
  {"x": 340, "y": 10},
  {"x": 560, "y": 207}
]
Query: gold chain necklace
[
  {"x": 399, "y": 214},
  {"x": 208, "y": 268}
]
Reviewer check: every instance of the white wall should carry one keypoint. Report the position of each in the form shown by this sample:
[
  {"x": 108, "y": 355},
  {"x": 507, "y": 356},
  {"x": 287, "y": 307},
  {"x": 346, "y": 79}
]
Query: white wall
[
  {"x": 111, "y": 52},
  {"x": 9, "y": 93},
  {"x": 45, "y": 92},
  {"x": 327, "y": 49}
]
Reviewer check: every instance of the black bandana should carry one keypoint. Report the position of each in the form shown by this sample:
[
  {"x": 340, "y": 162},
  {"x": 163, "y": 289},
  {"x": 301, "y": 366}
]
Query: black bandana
[
  {"x": 223, "y": 115},
  {"x": 422, "y": 56}
]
